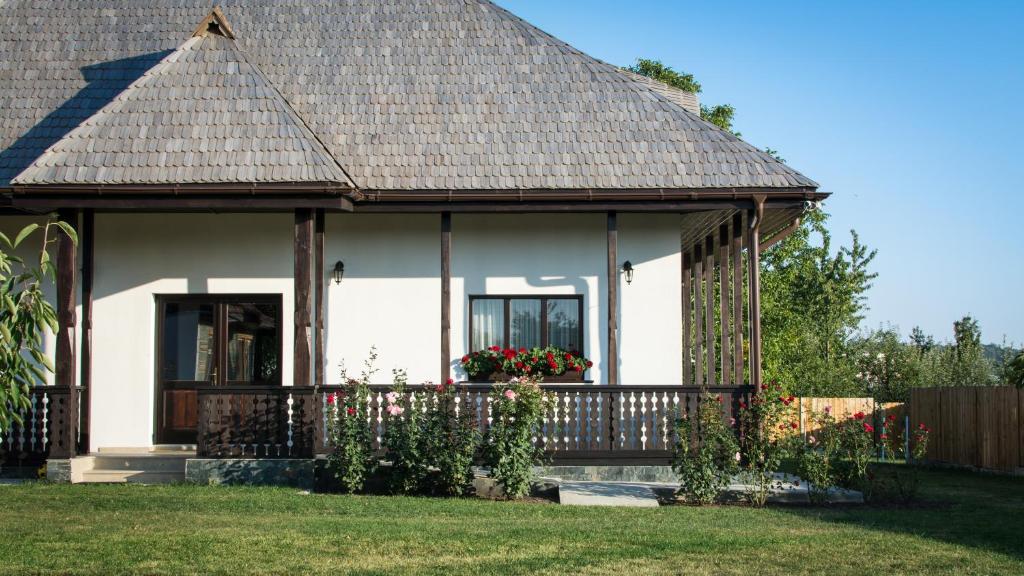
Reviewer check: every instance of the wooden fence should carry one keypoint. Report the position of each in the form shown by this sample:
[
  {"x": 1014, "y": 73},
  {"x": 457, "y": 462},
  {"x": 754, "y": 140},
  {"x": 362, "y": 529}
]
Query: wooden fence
[
  {"x": 876, "y": 412},
  {"x": 981, "y": 427}
]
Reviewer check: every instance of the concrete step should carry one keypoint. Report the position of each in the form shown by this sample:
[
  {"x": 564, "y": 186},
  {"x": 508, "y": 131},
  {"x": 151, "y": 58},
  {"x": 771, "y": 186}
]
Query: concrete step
[
  {"x": 131, "y": 476},
  {"x": 174, "y": 464}
]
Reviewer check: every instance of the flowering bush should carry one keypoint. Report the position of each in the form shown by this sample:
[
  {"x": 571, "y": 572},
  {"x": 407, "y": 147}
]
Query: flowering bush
[
  {"x": 857, "y": 441},
  {"x": 521, "y": 363},
  {"x": 819, "y": 456},
  {"x": 349, "y": 430},
  {"x": 403, "y": 440},
  {"x": 429, "y": 444},
  {"x": 452, "y": 439},
  {"x": 766, "y": 426},
  {"x": 901, "y": 482},
  {"x": 706, "y": 454},
  {"x": 517, "y": 409}
]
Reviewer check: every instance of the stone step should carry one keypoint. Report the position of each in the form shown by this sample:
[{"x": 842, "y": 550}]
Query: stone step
[
  {"x": 141, "y": 462},
  {"x": 131, "y": 476}
]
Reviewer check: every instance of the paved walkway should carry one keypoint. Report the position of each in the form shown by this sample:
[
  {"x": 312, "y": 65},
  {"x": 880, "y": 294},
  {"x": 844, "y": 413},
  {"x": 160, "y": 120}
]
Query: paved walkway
[
  {"x": 631, "y": 494},
  {"x": 645, "y": 494}
]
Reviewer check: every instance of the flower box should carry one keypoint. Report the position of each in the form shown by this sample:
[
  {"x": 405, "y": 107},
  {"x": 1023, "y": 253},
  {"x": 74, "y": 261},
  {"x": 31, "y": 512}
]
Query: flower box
[
  {"x": 494, "y": 364},
  {"x": 568, "y": 377}
]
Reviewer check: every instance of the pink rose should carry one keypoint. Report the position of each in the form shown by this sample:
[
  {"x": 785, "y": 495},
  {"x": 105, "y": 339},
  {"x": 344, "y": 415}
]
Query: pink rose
[
  {"x": 395, "y": 409},
  {"x": 391, "y": 397},
  {"x": 510, "y": 394}
]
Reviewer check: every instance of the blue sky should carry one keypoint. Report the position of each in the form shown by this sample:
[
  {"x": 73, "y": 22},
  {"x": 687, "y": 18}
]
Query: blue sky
[{"x": 908, "y": 112}]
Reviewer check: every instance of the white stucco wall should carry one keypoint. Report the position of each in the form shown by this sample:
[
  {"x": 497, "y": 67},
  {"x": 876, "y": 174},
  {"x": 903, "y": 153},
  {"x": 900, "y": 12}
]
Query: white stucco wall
[
  {"x": 390, "y": 297},
  {"x": 141, "y": 255}
]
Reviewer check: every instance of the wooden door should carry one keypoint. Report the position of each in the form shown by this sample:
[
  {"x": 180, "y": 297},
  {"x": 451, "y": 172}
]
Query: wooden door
[{"x": 211, "y": 340}]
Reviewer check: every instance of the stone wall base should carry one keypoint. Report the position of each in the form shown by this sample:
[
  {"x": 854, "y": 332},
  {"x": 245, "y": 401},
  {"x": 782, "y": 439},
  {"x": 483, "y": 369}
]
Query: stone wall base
[
  {"x": 297, "y": 473},
  {"x": 609, "y": 473},
  {"x": 59, "y": 470}
]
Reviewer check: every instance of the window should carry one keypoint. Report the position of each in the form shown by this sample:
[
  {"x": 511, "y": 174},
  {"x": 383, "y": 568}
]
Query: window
[{"x": 526, "y": 322}]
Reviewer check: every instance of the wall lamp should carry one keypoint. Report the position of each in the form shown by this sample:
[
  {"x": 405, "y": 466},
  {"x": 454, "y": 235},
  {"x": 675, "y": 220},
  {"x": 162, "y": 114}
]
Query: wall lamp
[
  {"x": 627, "y": 268},
  {"x": 339, "y": 272}
]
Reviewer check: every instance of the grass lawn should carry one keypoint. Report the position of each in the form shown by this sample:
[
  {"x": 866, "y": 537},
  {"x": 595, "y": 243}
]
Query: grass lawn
[{"x": 968, "y": 524}]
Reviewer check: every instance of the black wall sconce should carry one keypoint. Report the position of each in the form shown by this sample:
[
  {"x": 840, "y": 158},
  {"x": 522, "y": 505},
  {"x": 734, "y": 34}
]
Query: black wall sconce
[
  {"x": 339, "y": 272},
  {"x": 627, "y": 268}
]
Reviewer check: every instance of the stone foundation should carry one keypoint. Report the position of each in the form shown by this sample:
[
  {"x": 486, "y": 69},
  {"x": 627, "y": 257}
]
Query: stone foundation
[
  {"x": 297, "y": 473},
  {"x": 58, "y": 470},
  {"x": 609, "y": 473}
]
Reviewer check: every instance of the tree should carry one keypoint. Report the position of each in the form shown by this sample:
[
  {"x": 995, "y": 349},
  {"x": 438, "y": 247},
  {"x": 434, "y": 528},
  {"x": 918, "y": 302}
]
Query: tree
[
  {"x": 25, "y": 315},
  {"x": 812, "y": 301},
  {"x": 1013, "y": 372},
  {"x": 720, "y": 115},
  {"x": 922, "y": 342}
]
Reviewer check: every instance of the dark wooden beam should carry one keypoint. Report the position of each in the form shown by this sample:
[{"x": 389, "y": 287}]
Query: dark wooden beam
[
  {"x": 184, "y": 203},
  {"x": 87, "y": 239},
  {"x": 737, "y": 298},
  {"x": 512, "y": 207},
  {"x": 698, "y": 307},
  {"x": 709, "y": 307},
  {"x": 687, "y": 316},
  {"x": 723, "y": 302},
  {"x": 63, "y": 443},
  {"x": 319, "y": 362},
  {"x": 303, "y": 298},
  {"x": 613, "y": 299},
  {"x": 754, "y": 253},
  {"x": 446, "y": 296},
  {"x": 592, "y": 194}
]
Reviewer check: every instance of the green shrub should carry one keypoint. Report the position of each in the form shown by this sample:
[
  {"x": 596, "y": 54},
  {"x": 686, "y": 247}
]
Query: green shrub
[
  {"x": 349, "y": 432},
  {"x": 452, "y": 439},
  {"x": 429, "y": 444},
  {"x": 403, "y": 440},
  {"x": 819, "y": 457},
  {"x": 517, "y": 411},
  {"x": 706, "y": 452},
  {"x": 766, "y": 428}
]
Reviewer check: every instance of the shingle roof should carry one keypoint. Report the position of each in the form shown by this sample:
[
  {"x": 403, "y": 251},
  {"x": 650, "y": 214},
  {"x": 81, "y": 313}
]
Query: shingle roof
[
  {"x": 203, "y": 114},
  {"x": 405, "y": 95}
]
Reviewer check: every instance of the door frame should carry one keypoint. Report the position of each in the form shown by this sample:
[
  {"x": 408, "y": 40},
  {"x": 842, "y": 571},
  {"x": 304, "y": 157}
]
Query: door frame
[{"x": 220, "y": 302}]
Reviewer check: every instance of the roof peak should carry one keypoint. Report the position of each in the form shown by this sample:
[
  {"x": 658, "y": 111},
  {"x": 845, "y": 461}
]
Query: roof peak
[{"x": 215, "y": 23}]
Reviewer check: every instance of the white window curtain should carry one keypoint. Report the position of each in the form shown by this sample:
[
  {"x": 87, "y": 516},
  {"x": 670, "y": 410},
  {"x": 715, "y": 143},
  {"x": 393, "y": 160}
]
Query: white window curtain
[
  {"x": 524, "y": 329},
  {"x": 564, "y": 324},
  {"x": 488, "y": 323}
]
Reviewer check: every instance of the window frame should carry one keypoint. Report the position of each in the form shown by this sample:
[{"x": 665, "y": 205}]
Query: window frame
[{"x": 507, "y": 328}]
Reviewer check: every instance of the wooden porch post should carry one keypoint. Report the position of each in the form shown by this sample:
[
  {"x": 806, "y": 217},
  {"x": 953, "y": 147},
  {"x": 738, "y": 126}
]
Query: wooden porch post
[
  {"x": 698, "y": 306},
  {"x": 86, "y": 237},
  {"x": 687, "y": 314},
  {"x": 318, "y": 312},
  {"x": 709, "y": 307},
  {"x": 737, "y": 298},
  {"x": 613, "y": 299},
  {"x": 64, "y": 407},
  {"x": 303, "y": 298},
  {"x": 723, "y": 302},
  {"x": 754, "y": 252},
  {"x": 446, "y": 296}
]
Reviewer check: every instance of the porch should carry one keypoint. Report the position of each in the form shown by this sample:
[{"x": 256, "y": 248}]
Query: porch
[{"x": 710, "y": 336}]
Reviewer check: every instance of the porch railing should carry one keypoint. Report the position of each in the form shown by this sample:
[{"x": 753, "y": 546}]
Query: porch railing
[
  {"x": 586, "y": 424},
  {"x": 255, "y": 422},
  {"x": 42, "y": 428}
]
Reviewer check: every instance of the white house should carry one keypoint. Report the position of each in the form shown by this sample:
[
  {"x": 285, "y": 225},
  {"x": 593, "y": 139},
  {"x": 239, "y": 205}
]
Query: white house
[{"x": 265, "y": 191}]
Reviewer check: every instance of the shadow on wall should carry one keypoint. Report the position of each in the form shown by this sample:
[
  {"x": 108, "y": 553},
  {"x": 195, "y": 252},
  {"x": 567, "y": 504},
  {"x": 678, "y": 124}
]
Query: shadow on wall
[{"x": 104, "y": 81}]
